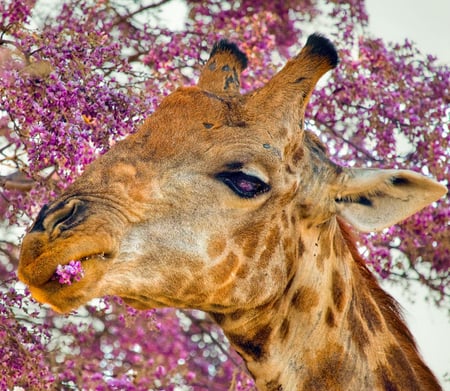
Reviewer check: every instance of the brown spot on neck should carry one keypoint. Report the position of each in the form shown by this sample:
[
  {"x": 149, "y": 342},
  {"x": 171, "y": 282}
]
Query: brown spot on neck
[
  {"x": 330, "y": 318},
  {"x": 254, "y": 347},
  {"x": 305, "y": 298},
  {"x": 338, "y": 290},
  {"x": 331, "y": 370}
]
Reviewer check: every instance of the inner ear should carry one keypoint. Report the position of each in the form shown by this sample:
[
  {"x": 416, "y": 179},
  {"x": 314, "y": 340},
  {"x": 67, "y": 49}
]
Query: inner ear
[
  {"x": 363, "y": 200},
  {"x": 372, "y": 200}
]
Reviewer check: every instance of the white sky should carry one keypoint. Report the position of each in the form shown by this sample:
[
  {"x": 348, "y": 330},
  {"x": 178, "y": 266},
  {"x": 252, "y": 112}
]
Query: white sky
[{"x": 426, "y": 22}]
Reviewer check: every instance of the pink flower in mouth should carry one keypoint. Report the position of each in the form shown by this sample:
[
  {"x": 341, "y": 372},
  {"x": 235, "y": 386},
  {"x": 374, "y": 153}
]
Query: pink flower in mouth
[{"x": 66, "y": 274}]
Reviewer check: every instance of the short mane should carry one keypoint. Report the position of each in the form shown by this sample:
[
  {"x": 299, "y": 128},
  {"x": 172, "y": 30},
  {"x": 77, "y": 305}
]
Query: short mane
[{"x": 391, "y": 311}]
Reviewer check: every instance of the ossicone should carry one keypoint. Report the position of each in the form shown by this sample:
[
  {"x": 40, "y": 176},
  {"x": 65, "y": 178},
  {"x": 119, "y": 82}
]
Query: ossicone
[
  {"x": 221, "y": 73},
  {"x": 226, "y": 46}
]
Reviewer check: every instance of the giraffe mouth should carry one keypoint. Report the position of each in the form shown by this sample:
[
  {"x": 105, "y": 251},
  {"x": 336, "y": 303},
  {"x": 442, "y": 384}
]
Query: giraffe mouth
[
  {"x": 73, "y": 271},
  {"x": 69, "y": 283},
  {"x": 42, "y": 264}
]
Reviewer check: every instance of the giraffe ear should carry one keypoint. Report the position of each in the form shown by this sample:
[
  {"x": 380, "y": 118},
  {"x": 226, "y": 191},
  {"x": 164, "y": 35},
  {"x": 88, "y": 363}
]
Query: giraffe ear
[
  {"x": 221, "y": 73},
  {"x": 371, "y": 199}
]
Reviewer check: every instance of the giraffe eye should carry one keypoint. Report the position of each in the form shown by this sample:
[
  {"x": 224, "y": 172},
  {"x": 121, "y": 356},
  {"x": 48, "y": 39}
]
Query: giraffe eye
[{"x": 245, "y": 186}]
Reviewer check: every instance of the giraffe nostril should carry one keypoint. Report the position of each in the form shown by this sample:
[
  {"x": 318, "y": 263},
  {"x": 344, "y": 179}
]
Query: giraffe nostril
[
  {"x": 39, "y": 222},
  {"x": 63, "y": 215}
]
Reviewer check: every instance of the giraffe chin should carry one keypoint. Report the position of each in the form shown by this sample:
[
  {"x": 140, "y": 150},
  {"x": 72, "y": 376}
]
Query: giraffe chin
[{"x": 61, "y": 303}]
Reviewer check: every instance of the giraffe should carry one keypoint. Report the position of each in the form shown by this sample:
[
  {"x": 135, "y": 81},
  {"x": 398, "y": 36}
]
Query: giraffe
[{"x": 222, "y": 202}]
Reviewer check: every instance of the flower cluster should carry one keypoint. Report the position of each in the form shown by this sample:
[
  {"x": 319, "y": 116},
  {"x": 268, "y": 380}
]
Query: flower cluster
[
  {"x": 79, "y": 77},
  {"x": 61, "y": 93},
  {"x": 66, "y": 274}
]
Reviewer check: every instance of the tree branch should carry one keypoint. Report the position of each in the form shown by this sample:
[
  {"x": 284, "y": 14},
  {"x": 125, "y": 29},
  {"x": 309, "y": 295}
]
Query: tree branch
[
  {"x": 124, "y": 18},
  {"x": 16, "y": 181},
  {"x": 352, "y": 144}
]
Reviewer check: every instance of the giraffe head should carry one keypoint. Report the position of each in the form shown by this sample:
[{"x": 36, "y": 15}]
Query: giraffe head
[{"x": 196, "y": 209}]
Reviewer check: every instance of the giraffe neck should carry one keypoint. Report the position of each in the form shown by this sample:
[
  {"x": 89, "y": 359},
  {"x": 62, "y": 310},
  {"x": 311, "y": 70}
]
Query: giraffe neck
[{"x": 333, "y": 328}]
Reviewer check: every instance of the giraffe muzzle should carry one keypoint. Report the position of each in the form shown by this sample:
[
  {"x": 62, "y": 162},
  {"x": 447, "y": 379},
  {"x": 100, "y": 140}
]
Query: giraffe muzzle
[{"x": 65, "y": 231}]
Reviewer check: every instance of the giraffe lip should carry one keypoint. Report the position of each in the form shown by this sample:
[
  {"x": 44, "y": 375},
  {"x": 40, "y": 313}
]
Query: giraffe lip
[{"x": 99, "y": 256}]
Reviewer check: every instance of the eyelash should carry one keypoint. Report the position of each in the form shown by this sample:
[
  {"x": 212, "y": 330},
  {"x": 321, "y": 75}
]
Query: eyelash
[{"x": 244, "y": 185}]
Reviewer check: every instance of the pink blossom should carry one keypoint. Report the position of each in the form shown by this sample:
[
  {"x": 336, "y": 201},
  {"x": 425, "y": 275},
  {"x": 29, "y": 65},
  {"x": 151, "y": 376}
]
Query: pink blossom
[{"x": 66, "y": 274}]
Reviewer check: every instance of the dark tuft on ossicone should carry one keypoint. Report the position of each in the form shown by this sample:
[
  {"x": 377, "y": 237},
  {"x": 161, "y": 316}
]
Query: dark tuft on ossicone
[
  {"x": 323, "y": 47},
  {"x": 225, "y": 46}
]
